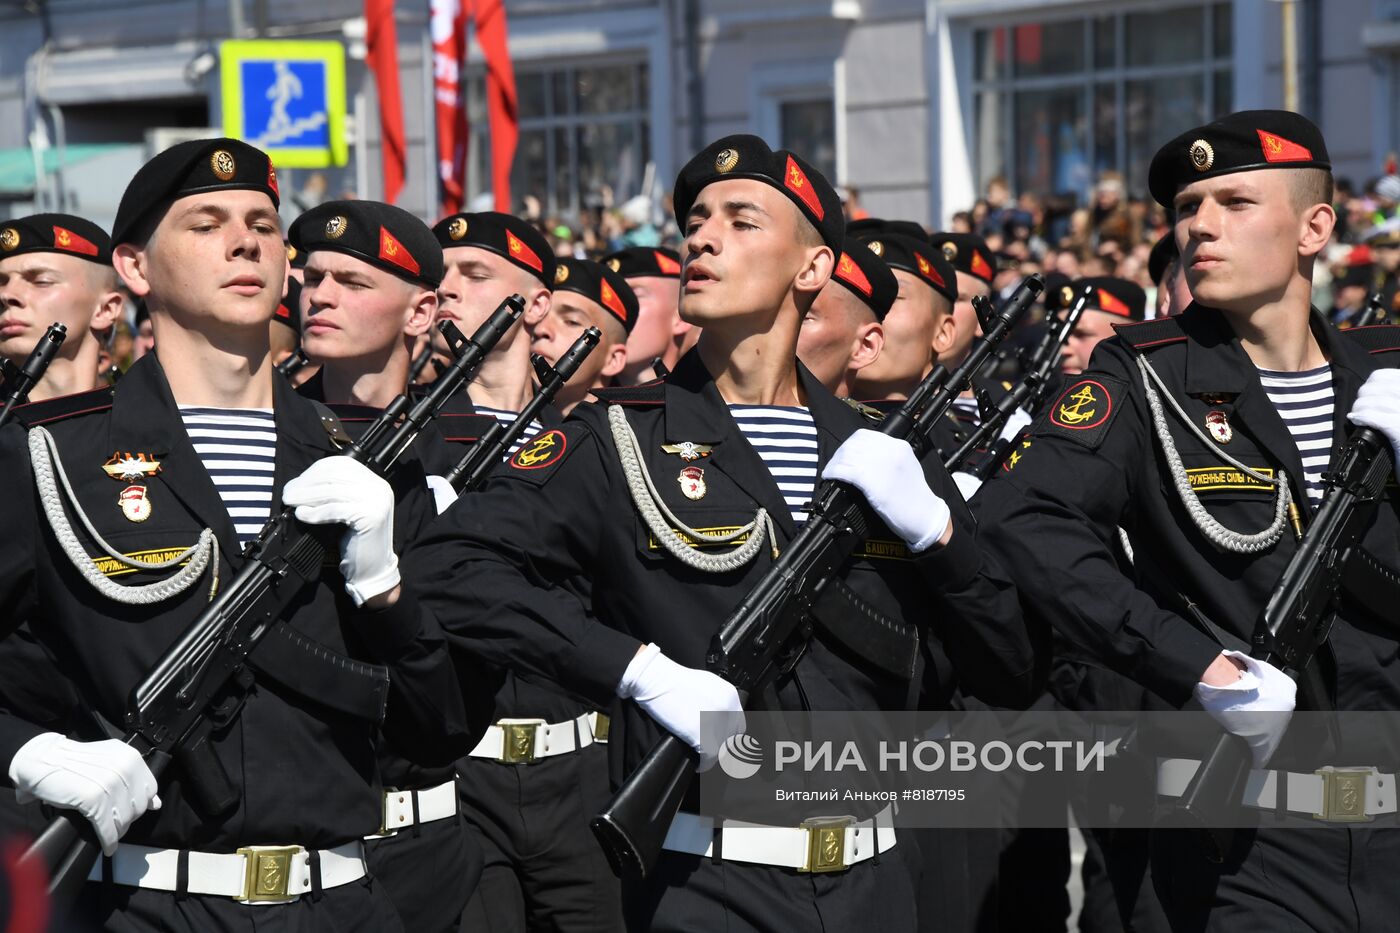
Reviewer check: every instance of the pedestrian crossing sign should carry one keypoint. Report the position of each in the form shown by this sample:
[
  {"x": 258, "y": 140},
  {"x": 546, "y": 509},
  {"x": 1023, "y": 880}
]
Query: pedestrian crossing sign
[{"x": 287, "y": 98}]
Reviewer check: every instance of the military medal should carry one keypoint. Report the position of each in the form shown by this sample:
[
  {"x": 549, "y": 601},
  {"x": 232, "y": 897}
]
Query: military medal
[
  {"x": 135, "y": 505},
  {"x": 129, "y": 467},
  {"x": 687, "y": 450},
  {"x": 1219, "y": 427},
  {"x": 692, "y": 480}
]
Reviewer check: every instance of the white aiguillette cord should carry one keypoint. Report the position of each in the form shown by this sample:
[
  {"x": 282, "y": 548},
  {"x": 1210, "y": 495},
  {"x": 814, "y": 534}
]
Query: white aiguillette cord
[
  {"x": 656, "y": 514},
  {"x": 43, "y": 454},
  {"x": 1218, "y": 534}
]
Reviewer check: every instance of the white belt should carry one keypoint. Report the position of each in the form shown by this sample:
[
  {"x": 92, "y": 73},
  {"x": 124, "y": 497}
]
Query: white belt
[
  {"x": 820, "y": 844},
  {"x": 1335, "y": 795},
  {"x": 521, "y": 741},
  {"x": 434, "y": 803},
  {"x": 252, "y": 875}
]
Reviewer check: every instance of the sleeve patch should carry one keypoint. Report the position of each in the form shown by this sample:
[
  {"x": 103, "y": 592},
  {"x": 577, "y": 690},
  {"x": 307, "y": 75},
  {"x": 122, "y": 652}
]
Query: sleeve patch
[
  {"x": 541, "y": 452},
  {"x": 1084, "y": 411}
]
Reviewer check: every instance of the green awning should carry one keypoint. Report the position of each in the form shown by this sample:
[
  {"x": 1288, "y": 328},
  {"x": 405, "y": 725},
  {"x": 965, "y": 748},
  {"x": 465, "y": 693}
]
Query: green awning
[{"x": 17, "y": 165}]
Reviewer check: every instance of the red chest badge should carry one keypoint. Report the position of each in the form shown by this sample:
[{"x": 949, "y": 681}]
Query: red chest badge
[
  {"x": 136, "y": 506},
  {"x": 692, "y": 480}
]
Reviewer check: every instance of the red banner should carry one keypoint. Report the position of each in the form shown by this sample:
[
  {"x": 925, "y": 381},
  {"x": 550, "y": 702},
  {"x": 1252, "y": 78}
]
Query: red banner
[
  {"x": 501, "y": 109},
  {"x": 449, "y": 33},
  {"x": 383, "y": 58}
]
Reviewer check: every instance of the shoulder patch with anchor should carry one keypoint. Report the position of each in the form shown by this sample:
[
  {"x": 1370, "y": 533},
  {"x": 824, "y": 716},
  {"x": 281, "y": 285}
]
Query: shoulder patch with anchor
[
  {"x": 1378, "y": 338},
  {"x": 64, "y": 406},
  {"x": 1145, "y": 335},
  {"x": 539, "y": 458},
  {"x": 1084, "y": 411}
]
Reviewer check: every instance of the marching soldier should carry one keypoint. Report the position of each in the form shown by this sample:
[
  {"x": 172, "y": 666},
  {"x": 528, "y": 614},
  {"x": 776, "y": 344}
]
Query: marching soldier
[
  {"x": 57, "y": 269},
  {"x": 488, "y": 257},
  {"x": 587, "y": 294},
  {"x": 919, "y": 324},
  {"x": 136, "y": 501},
  {"x": 371, "y": 272},
  {"x": 531, "y": 782},
  {"x": 734, "y": 442},
  {"x": 969, "y": 255},
  {"x": 654, "y": 275},
  {"x": 1114, "y": 301},
  {"x": 1205, "y": 436},
  {"x": 842, "y": 332}
]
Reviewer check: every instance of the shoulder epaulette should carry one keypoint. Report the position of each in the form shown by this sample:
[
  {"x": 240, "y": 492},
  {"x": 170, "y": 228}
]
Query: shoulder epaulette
[
  {"x": 64, "y": 406},
  {"x": 648, "y": 393},
  {"x": 347, "y": 411},
  {"x": 1145, "y": 335},
  {"x": 464, "y": 427},
  {"x": 1378, "y": 338}
]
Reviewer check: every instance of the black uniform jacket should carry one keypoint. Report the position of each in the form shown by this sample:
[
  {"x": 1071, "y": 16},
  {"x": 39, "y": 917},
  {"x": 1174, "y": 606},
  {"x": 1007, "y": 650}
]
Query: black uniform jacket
[
  {"x": 304, "y": 772},
  {"x": 490, "y": 568},
  {"x": 1093, "y": 463},
  {"x": 456, "y": 428}
]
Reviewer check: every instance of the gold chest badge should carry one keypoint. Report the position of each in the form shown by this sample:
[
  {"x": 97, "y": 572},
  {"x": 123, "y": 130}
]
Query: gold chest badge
[{"x": 692, "y": 480}]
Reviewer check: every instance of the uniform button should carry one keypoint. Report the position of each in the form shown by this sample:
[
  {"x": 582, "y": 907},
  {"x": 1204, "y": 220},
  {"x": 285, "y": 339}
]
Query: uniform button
[{"x": 401, "y": 819}]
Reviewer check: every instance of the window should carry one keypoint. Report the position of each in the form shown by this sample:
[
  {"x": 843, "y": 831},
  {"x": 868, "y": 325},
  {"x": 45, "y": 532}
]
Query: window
[
  {"x": 584, "y": 132},
  {"x": 1057, "y": 102},
  {"x": 808, "y": 127}
]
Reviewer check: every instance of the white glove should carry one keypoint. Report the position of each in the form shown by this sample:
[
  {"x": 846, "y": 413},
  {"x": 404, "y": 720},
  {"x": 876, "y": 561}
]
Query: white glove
[
  {"x": 1014, "y": 424},
  {"x": 967, "y": 484},
  {"x": 107, "y": 782},
  {"x": 443, "y": 493},
  {"x": 675, "y": 696},
  {"x": 887, "y": 472},
  {"x": 341, "y": 490},
  {"x": 1257, "y": 707},
  {"x": 1378, "y": 406}
]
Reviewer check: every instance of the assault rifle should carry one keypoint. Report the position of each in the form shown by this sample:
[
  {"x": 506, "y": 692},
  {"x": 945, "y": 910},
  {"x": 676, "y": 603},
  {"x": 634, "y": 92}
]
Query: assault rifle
[
  {"x": 768, "y": 631},
  {"x": 167, "y": 714},
  {"x": 1028, "y": 394},
  {"x": 16, "y": 382},
  {"x": 1373, "y": 313},
  {"x": 486, "y": 454},
  {"x": 294, "y": 363},
  {"x": 1301, "y": 611}
]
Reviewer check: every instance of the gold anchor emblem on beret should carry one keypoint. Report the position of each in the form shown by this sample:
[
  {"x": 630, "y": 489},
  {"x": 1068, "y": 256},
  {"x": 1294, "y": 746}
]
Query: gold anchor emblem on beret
[
  {"x": 950, "y": 251},
  {"x": 1067, "y": 295},
  {"x": 336, "y": 227},
  {"x": 614, "y": 264},
  {"x": 726, "y": 161},
  {"x": 291, "y": 252},
  {"x": 1202, "y": 155},
  {"x": 9, "y": 238},
  {"x": 561, "y": 274},
  {"x": 877, "y": 247},
  {"x": 222, "y": 164},
  {"x": 458, "y": 228}
]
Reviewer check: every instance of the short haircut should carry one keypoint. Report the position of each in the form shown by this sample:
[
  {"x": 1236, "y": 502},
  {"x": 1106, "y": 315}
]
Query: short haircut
[
  {"x": 1309, "y": 186},
  {"x": 807, "y": 233}
]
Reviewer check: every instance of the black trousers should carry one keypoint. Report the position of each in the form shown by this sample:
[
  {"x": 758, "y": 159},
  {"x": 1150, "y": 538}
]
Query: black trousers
[
  {"x": 429, "y": 872},
  {"x": 362, "y": 905},
  {"x": 543, "y": 871},
  {"x": 693, "y": 894},
  {"x": 1317, "y": 879},
  {"x": 1118, "y": 893}
]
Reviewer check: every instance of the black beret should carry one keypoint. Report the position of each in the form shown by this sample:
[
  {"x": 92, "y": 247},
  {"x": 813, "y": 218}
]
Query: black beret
[
  {"x": 1113, "y": 295},
  {"x": 1057, "y": 295},
  {"x": 193, "y": 167},
  {"x": 289, "y": 309},
  {"x": 639, "y": 261},
  {"x": 1164, "y": 253},
  {"x": 749, "y": 157},
  {"x": 598, "y": 283},
  {"x": 866, "y": 274},
  {"x": 868, "y": 225},
  {"x": 917, "y": 258},
  {"x": 55, "y": 233},
  {"x": 295, "y": 257},
  {"x": 1242, "y": 142},
  {"x": 503, "y": 234},
  {"x": 1362, "y": 276},
  {"x": 387, "y": 237},
  {"x": 967, "y": 252}
]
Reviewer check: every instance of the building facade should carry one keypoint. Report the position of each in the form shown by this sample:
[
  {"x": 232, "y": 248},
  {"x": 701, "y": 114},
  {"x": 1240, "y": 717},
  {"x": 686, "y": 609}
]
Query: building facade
[{"x": 917, "y": 104}]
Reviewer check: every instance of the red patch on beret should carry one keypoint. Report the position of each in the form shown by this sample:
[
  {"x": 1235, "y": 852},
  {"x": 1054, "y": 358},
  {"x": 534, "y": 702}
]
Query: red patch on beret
[
  {"x": 522, "y": 253},
  {"x": 68, "y": 240},
  {"x": 391, "y": 250},
  {"x": 795, "y": 180}
]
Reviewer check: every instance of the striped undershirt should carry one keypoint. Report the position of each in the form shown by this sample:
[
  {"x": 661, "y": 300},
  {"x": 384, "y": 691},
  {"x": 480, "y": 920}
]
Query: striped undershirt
[
  {"x": 238, "y": 447},
  {"x": 1304, "y": 401},
  {"x": 786, "y": 439},
  {"x": 506, "y": 419},
  {"x": 965, "y": 407}
]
